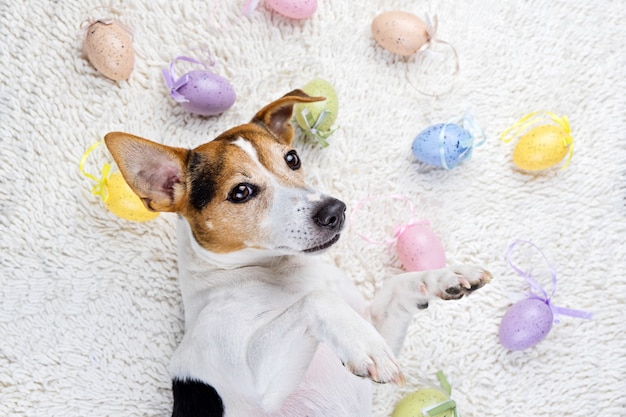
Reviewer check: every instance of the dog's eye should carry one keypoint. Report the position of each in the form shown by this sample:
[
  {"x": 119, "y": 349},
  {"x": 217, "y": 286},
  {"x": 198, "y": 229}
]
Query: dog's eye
[
  {"x": 242, "y": 193},
  {"x": 293, "y": 160}
]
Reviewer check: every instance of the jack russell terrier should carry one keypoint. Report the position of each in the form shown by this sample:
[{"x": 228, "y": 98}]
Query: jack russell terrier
[{"x": 269, "y": 329}]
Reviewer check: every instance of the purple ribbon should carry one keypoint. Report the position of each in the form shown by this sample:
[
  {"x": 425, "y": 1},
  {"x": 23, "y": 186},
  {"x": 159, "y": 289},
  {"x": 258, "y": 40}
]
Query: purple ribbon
[
  {"x": 542, "y": 294},
  {"x": 175, "y": 84}
]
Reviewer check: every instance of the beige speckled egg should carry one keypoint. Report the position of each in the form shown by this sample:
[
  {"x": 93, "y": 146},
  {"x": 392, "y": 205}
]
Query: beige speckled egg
[
  {"x": 109, "y": 47},
  {"x": 400, "y": 32}
]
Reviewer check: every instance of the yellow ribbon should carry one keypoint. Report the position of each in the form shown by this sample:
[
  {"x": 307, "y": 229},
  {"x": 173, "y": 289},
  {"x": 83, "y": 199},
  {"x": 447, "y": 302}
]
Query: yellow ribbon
[
  {"x": 531, "y": 118},
  {"x": 100, "y": 189}
]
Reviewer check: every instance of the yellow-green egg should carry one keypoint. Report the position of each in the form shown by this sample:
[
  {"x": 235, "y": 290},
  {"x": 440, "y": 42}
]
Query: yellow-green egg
[
  {"x": 123, "y": 202},
  {"x": 541, "y": 148},
  {"x": 319, "y": 88},
  {"x": 413, "y": 404},
  {"x": 316, "y": 119}
]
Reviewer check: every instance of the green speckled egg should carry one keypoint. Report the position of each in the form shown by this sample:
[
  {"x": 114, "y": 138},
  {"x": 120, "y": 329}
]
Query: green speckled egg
[
  {"x": 319, "y": 88},
  {"x": 413, "y": 404}
]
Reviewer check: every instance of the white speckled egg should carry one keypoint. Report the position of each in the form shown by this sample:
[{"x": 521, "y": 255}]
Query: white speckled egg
[
  {"x": 109, "y": 47},
  {"x": 400, "y": 32}
]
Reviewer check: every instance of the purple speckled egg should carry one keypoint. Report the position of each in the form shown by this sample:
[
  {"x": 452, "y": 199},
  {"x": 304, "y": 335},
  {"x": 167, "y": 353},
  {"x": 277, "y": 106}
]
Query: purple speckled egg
[
  {"x": 525, "y": 324},
  {"x": 204, "y": 93},
  {"x": 419, "y": 249}
]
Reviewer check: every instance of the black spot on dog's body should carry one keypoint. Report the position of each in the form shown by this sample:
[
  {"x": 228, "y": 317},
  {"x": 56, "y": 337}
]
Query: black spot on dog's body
[
  {"x": 193, "y": 398},
  {"x": 203, "y": 181}
]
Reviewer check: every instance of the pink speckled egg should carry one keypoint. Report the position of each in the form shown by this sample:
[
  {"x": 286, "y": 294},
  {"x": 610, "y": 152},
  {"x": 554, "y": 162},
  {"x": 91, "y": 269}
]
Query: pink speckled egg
[
  {"x": 109, "y": 47},
  {"x": 419, "y": 249},
  {"x": 295, "y": 9},
  {"x": 525, "y": 324}
]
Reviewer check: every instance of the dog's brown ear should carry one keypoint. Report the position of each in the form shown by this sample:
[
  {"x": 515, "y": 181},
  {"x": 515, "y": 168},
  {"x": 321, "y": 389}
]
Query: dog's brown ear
[
  {"x": 155, "y": 172},
  {"x": 277, "y": 115}
]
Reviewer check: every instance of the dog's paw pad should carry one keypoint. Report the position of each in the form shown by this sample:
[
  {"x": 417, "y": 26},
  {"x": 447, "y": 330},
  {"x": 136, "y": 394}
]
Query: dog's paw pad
[{"x": 467, "y": 280}]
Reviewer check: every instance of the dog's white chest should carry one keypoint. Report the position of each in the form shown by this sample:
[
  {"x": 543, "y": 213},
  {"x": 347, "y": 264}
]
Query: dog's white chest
[{"x": 227, "y": 311}]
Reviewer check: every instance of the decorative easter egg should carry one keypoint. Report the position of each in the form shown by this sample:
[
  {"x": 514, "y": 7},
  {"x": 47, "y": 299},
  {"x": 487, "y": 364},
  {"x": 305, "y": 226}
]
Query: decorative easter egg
[
  {"x": 316, "y": 119},
  {"x": 400, "y": 32},
  {"x": 419, "y": 248},
  {"x": 540, "y": 145},
  {"x": 122, "y": 201},
  {"x": 414, "y": 404},
  {"x": 206, "y": 93},
  {"x": 109, "y": 47},
  {"x": 199, "y": 91},
  {"x": 525, "y": 324},
  {"x": 443, "y": 145},
  {"x": 294, "y": 9},
  {"x": 541, "y": 148}
]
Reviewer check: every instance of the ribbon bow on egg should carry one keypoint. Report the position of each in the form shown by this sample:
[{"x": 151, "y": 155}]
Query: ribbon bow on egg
[
  {"x": 530, "y": 320},
  {"x": 417, "y": 246}
]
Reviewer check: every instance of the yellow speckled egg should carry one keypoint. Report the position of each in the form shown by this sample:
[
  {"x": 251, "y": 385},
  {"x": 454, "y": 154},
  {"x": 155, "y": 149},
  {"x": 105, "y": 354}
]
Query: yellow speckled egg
[
  {"x": 400, "y": 32},
  {"x": 542, "y": 147},
  {"x": 109, "y": 47},
  {"x": 413, "y": 404},
  {"x": 123, "y": 202}
]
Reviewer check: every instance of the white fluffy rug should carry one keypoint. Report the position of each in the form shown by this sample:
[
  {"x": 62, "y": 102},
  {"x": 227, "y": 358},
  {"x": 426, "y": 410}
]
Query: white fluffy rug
[{"x": 90, "y": 310}]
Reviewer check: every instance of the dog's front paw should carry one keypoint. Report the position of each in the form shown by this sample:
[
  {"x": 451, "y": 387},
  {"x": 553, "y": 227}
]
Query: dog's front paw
[
  {"x": 372, "y": 359},
  {"x": 461, "y": 280}
]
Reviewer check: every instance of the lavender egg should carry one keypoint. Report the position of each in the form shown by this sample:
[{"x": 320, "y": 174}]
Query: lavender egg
[
  {"x": 204, "y": 93},
  {"x": 525, "y": 324},
  {"x": 456, "y": 145}
]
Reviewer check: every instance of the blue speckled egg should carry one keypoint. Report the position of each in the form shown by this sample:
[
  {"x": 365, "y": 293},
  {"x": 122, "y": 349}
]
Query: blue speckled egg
[{"x": 446, "y": 151}]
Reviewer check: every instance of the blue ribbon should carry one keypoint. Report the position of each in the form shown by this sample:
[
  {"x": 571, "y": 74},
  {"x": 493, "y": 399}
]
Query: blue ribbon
[{"x": 472, "y": 127}]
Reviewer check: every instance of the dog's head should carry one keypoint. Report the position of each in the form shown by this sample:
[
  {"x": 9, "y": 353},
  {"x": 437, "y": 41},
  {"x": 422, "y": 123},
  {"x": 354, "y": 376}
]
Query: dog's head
[{"x": 244, "y": 189}]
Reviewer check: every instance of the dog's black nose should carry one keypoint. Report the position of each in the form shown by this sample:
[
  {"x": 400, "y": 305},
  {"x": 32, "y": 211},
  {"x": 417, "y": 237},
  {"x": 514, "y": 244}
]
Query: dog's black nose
[{"x": 331, "y": 215}]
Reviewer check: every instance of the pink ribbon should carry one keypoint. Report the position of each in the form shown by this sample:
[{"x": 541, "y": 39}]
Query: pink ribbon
[
  {"x": 398, "y": 229},
  {"x": 249, "y": 6},
  {"x": 540, "y": 293}
]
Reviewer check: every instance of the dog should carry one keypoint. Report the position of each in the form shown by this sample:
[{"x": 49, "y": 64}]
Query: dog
[{"x": 270, "y": 330}]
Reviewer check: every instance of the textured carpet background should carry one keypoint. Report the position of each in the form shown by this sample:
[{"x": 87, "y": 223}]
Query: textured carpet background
[{"x": 90, "y": 310}]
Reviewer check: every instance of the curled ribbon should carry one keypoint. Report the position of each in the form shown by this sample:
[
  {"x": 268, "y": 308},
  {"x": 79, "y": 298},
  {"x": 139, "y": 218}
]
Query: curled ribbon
[
  {"x": 532, "y": 119},
  {"x": 249, "y": 6},
  {"x": 107, "y": 21},
  {"x": 173, "y": 83},
  {"x": 447, "y": 405},
  {"x": 470, "y": 125},
  {"x": 100, "y": 189},
  {"x": 541, "y": 294},
  {"x": 312, "y": 126},
  {"x": 431, "y": 32},
  {"x": 398, "y": 230}
]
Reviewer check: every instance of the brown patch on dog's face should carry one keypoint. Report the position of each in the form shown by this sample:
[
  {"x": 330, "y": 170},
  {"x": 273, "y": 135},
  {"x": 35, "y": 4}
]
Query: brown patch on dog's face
[{"x": 232, "y": 185}]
